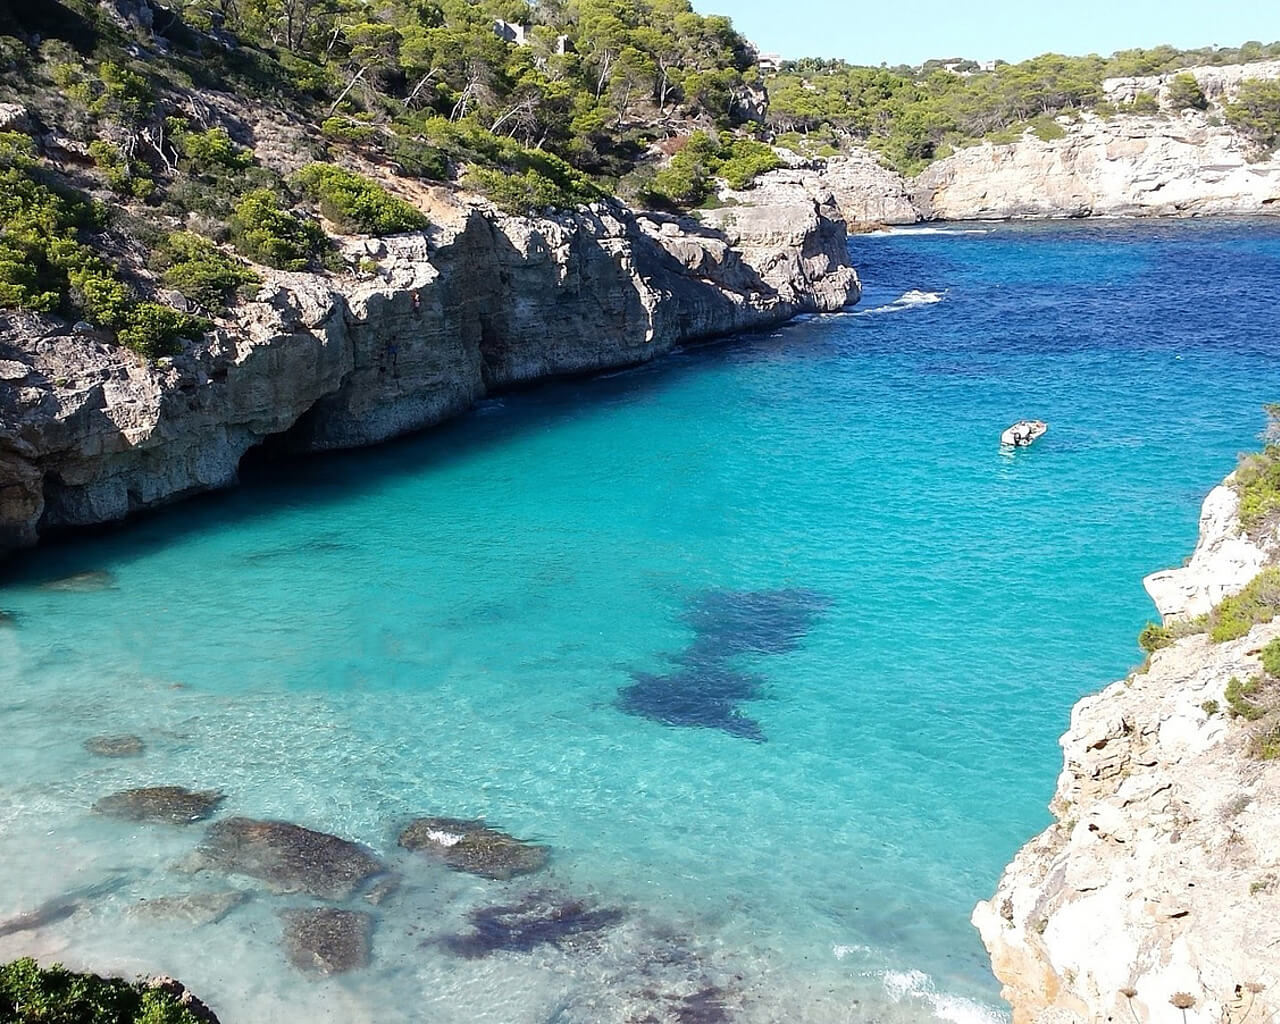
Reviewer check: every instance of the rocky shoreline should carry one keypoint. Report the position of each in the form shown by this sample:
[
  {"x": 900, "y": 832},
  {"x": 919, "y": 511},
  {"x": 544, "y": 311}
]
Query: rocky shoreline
[
  {"x": 478, "y": 303},
  {"x": 1153, "y": 897}
]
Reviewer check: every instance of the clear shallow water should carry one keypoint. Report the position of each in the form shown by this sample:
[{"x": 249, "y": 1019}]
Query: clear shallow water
[{"x": 444, "y": 625}]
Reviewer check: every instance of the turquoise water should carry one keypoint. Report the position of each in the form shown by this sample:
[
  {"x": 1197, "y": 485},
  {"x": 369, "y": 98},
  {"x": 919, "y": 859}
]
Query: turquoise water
[{"x": 768, "y": 641}]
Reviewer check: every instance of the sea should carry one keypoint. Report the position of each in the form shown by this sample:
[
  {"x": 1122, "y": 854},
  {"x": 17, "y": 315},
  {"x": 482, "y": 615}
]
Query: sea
[{"x": 768, "y": 643}]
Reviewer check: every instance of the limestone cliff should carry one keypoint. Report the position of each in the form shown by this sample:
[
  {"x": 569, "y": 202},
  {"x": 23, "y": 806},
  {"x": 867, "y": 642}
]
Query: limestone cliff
[
  {"x": 1125, "y": 166},
  {"x": 90, "y": 433},
  {"x": 1155, "y": 896},
  {"x": 1174, "y": 163}
]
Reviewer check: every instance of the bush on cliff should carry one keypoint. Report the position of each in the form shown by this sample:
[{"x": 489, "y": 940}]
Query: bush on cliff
[
  {"x": 201, "y": 271},
  {"x": 45, "y": 265},
  {"x": 356, "y": 204},
  {"x": 1256, "y": 112},
  {"x": 1259, "y": 601},
  {"x": 30, "y": 994},
  {"x": 267, "y": 233},
  {"x": 689, "y": 177},
  {"x": 1185, "y": 93},
  {"x": 1257, "y": 479}
]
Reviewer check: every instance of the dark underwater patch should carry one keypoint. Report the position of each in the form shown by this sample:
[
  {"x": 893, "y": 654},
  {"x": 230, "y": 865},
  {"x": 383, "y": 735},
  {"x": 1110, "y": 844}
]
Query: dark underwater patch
[
  {"x": 702, "y": 695},
  {"x": 705, "y": 691},
  {"x": 729, "y": 622},
  {"x": 539, "y": 919}
]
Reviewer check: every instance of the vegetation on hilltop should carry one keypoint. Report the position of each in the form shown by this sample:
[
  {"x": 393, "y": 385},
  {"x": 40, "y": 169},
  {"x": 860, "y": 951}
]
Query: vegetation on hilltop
[
  {"x": 912, "y": 116},
  {"x": 139, "y": 168}
]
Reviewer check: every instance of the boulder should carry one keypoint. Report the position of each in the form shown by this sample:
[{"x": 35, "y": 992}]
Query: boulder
[
  {"x": 87, "y": 582},
  {"x": 115, "y": 746},
  {"x": 474, "y": 847},
  {"x": 193, "y": 908},
  {"x": 172, "y": 805},
  {"x": 325, "y": 940},
  {"x": 288, "y": 858}
]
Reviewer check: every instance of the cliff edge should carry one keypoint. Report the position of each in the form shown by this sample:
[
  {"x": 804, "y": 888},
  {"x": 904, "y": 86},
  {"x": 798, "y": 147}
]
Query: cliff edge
[
  {"x": 436, "y": 320},
  {"x": 1155, "y": 896}
]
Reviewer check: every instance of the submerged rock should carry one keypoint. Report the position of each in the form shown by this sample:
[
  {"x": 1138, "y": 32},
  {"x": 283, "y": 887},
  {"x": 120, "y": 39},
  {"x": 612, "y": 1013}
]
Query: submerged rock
[
  {"x": 174, "y": 805},
  {"x": 539, "y": 919},
  {"x": 7, "y": 619},
  {"x": 705, "y": 692},
  {"x": 82, "y": 582},
  {"x": 704, "y": 696},
  {"x": 732, "y": 622},
  {"x": 115, "y": 746},
  {"x": 193, "y": 908},
  {"x": 60, "y": 907},
  {"x": 474, "y": 847},
  {"x": 326, "y": 940},
  {"x": 288, "y": 858}
]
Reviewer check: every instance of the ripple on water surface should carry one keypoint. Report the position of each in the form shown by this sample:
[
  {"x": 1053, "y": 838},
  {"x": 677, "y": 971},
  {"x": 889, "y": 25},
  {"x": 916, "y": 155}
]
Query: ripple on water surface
[{"x": 752, "y": 661}]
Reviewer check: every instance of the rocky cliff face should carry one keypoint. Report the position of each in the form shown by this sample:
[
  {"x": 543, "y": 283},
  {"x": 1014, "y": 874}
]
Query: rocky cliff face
[
  {"x": 1120, "y": 167},
  {"x": 1175, "y": 164},
  {"x": 1156, "y": 894},
  {"x": 481, "y": 302}
]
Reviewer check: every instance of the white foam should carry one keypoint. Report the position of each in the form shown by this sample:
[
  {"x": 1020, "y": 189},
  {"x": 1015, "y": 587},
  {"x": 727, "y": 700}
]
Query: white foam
[
  {"x": 916, "y": 297},
  {"x": 442, "y": 838},
  {"x": 840, "y": 952},
  {"x": 907, "y": 300},
  {"x": 916, "y": 986}
]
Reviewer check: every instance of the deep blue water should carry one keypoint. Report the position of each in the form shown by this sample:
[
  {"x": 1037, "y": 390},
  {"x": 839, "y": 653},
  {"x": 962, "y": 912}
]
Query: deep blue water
[{"x": 767, "y": 640}]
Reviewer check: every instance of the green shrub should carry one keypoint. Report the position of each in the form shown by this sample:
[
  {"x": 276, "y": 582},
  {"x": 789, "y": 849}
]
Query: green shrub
[
  {"x": 1210, "y": 707},
  {"x": 418, "y": 159},
  {"x": 354, "y": 203},
  {"x": 1270, "y": 657},
  {"x": 264, "y": 232},
  {"x": 123, "y": 175},
  {"x": 1257, "y": 484},
  {"x": 1153, "y": 637},
  {"x": 153, "y": 330},
  {"x": 1238, "y": 697},
  {"x": 1143, "y": 103},
  {"x": 688, "y": 178},
  {"x": 1266, "y": 744},
  {"x": 1185, "y": 93},
  {"x": 1234, "y": 616},
  {"x": 542, "y": 180},
  {"x": 1046, "y": 129},
  {"x": 348, "y": 129},
  {"x": 208, "y": 150},
  {"x": 200, "y": 270},
  {"x": 30, "y": 994},
  {"x": 1256, "y": 112},
  {"x": 745, "y": 160}
]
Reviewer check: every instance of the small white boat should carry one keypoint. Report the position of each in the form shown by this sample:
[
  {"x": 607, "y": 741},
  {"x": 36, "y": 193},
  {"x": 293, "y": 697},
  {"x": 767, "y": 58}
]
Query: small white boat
[{"x": 1023, "y": 433}]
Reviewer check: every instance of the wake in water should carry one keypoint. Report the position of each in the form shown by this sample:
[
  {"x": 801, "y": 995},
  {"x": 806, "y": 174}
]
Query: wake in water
[
  {"x": 907, "y": 300},
  {"x": 934, "y": 231}
]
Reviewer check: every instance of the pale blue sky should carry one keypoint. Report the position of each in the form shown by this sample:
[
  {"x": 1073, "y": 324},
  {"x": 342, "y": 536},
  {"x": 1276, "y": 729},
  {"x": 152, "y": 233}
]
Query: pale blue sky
[{"x": 911, "y": 31}]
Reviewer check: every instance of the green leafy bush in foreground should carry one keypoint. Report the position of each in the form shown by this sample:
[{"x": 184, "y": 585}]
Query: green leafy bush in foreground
[
  {"x": 30, "y": 994},
  {"x": 354, "y": 203}
]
